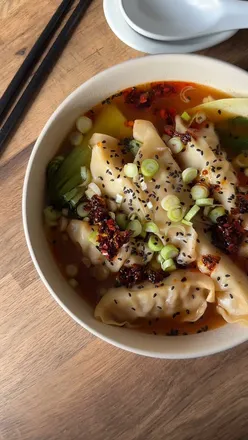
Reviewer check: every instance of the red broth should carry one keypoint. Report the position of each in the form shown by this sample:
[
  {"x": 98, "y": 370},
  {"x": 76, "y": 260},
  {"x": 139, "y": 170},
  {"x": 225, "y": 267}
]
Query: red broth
[{"x": 158, "y": 110}]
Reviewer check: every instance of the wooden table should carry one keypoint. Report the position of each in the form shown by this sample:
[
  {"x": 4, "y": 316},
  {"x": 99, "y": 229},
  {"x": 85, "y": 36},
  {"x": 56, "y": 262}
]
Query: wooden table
[{"x": 57, "y": 381}]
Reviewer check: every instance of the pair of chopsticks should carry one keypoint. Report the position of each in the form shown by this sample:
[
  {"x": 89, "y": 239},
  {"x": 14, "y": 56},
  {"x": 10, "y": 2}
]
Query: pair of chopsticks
[{"x": 43, "y": 70}]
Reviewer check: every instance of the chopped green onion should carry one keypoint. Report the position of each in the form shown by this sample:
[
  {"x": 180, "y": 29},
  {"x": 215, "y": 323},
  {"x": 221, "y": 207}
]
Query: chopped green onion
[
  {"x": 81, "y": 211},
  {"x": 84, "y": 124},
  {"x": 192, "y": 212},
  {"x": 175, "y": 214},
  {"x": 200, "y": 117},
  {"x": 51, "y": 216},
  {"x": 121, "y": 220},
  {"x": 71, "y": 270},
  {"x": 151, "y": 227},
  {"x": 241, "y": 160},
  {"x": 169, "y": 202},
  {"x": 119, "y": 198},
  {"x": 93, "y": 237},
  {"x": 149, "y": 167},
  {"x": 204, "y": 202},
  {"x": 199, "y": 192},
  {"x": 131, "y": 170},
  {"x": 216, "y": 213},
  {"x": 92, "y": 190},
  {"x": 246, "y": 172},
  {"x": 169, "y": 251},
  {"x": 168, "y": 265},
  {"x": 187, "y": 223},
  {"x": 159, "y": 258},
  {"x": 136, "y": 227},
  {"x": 185, "y": 116},
  {"x": 189, "y": 174},
  {"x": 76, "y": 138},
  {"x": 175, "y": 145},
  {"x": 154, "y": 243}
]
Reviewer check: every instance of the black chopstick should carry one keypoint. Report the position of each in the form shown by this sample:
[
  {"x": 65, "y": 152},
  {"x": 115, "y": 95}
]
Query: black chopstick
[
  {"x": 42, "y": 72},
  {"x": 34, "y": 55}
]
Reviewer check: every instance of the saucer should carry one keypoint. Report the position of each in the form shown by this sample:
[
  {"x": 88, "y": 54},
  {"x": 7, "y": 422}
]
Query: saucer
[{"x": 125, "y": 33}]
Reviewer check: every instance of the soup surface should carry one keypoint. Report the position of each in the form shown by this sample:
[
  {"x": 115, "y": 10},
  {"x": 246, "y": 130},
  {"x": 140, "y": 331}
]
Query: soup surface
[{"x": 158, "y": 103}]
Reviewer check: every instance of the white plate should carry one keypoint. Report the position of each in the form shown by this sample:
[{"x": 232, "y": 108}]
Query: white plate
[{"x": 126, "y": 34}]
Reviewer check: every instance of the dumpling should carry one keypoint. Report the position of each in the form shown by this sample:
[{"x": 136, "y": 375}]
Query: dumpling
[
  {"x": 79, "y": 231},
  {"x": 140, "y": 254},
  {"x": 230, "y": 281},
  {"x": 167, "y": 181},
  {"x": 107, "y": 162},
  {"x": 183, "y": 292},
  {"x": 211, "y": 163}
]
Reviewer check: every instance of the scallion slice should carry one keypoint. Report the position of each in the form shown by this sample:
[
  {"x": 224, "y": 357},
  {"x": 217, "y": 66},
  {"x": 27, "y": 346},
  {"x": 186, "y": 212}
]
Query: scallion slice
[
  {"x": 216, "y": 213},
  {"x": 185, "y": 116},
  {"x": 168, "y": 265},
  {"x": 81, "y": 211},
  {"x": 169, "y": 202},
  {"x": 76, "y": 138},
  {"x": 199, "y": 192},
  {"x": 169, "y": 251},
  {"x": 131, "y": 170},
  {"x": 187, "y": 223},
  {"x": 175, "y": 214},
  {"x": 84, "y": 124},
  {"x": 149, "y": 167},
  {"x": 51, "y": 216},
  {"x": 192, "y": 212},
  {"x": 189, "y": 174},
  {"x": 121, "y": 220},
  {"x": 151, "y": 227},
  {"x": 175, "y": 145},
  {"x": 136, "y": 227},
  {"x": 154, "y": 243},
  {"x": 204, "y": 202},
  {"x": 93, "y": 237}
]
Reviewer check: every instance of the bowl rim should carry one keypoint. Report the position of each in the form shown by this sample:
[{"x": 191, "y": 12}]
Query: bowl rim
[{"x": 202, "y": 351}]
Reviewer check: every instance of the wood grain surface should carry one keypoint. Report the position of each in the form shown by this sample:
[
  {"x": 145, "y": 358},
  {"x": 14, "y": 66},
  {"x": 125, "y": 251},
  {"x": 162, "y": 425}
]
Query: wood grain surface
[{"x": 57, "y": 381}]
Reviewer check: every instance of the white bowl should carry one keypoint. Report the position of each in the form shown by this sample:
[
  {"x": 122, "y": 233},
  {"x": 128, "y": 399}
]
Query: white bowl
[{"x": 193, "y": 68}]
